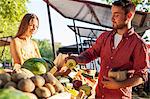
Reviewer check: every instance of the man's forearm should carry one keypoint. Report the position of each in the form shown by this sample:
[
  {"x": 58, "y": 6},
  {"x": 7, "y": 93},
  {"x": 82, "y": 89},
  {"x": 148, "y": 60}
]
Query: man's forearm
[{"x": 134, "y": 81}]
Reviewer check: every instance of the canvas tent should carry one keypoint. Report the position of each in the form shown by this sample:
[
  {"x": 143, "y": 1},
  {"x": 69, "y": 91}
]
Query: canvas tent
[
  {"x": 83, "y": 32},
  {"x": 87, "y": 32},
  {"x": 94, "y": 13}
]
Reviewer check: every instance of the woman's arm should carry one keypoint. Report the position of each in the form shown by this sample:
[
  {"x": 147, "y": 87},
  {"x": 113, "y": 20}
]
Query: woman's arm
[
  {"x": 16, "y": 52},
  {"x": 36, "y": 49}
]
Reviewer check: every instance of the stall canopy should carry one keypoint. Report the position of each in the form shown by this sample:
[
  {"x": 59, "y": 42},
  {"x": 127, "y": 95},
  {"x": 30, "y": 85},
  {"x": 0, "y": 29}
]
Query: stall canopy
[
  {"x": 82, "y": 10},
  {"x": 73, "y": 48},
  {"x": 87, "y": 32},
  {"x": 95, "y": 13}
]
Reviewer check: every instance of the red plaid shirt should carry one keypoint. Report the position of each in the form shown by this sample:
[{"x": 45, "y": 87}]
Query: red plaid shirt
[{"x": 130, "y": 54}]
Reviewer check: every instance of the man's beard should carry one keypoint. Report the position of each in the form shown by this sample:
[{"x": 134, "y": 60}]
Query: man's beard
[{"x": 119, "y": 26}]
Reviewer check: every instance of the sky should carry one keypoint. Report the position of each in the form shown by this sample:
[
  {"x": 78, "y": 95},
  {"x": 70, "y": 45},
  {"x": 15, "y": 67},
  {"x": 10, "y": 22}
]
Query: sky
[{"x": 61, "y": 32}]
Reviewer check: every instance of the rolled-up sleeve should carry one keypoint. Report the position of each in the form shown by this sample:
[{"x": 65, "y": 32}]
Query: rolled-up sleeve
[
  {"x": 93, "y": 52},
  {"x": 141, "y": 60}
]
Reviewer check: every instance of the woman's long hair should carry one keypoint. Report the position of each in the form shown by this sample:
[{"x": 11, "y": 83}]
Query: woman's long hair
[{"x": 24, "y": 23}]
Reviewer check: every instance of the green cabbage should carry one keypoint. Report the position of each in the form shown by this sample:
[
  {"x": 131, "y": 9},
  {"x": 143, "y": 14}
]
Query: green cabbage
[
  {"x": 50, "y": 63},
  {"x": 37, "y": 66},
  {"x": 12, "y": 94}
]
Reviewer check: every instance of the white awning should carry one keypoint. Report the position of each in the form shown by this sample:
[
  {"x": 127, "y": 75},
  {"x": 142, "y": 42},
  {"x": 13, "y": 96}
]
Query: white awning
[{"x": 95, "y": 13}]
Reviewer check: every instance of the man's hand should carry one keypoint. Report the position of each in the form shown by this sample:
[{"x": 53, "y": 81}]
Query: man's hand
[
  {"x": 61, "y": 62},
  {"x": 71, "y": 57},
  {"x": 110, "y": 83},
  {"x": 118, "y": 75}
]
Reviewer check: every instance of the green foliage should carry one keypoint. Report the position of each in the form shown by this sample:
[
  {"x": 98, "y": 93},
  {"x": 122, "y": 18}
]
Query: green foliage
[
  {"x": 136, "y": 2},
  {"x": 109, "y": 1},
  {"x": 11, "y": 13},
  {"x": 45, "y": 48},
  {"x": 142, "y": 5},
  {"x": 6, "y": 55}
]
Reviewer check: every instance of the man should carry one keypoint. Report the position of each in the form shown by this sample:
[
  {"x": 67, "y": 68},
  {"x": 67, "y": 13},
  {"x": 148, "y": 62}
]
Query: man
[{"x": 120, "y": 49}]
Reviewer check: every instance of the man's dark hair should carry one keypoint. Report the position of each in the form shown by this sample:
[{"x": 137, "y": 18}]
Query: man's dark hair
[{"x": 126, "y": 5}]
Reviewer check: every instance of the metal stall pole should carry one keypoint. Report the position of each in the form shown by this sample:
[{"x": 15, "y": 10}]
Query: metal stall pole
[
  {"x": 51, "y": 31},
  {"x": 78, "y": 31},
  {"x": 76, "y": 36},
  {"x": 94, "y": 62},
  {"x": 80, "y": 39},
  {"x": 81, "y": 44}
]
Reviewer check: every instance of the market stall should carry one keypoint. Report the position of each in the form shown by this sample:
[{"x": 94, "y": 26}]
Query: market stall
[
  {"x": 45, "y": 80},
  {"x": 94, "y": 13},
  {"x": 40, "y": 78},
  {"x": 4, "y": 41}
]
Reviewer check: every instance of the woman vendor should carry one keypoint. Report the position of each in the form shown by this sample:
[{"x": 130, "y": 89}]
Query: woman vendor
[{"x": 22, "y": 47}]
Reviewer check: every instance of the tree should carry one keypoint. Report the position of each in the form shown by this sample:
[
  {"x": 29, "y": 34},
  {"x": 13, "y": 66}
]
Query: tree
[
  {"x": 45, "y": 48},
  {"x": 11, "y": 13},
  {"x": 142, "y": 5}
]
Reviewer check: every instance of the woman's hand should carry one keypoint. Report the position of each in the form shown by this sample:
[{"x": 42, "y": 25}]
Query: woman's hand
[
  {"x": 60, "y": 60},
  {"x": 16, "y": 67}
]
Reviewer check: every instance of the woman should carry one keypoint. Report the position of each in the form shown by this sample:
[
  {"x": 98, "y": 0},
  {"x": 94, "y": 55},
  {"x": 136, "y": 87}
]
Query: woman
[{"x": 22, "y": 47}]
